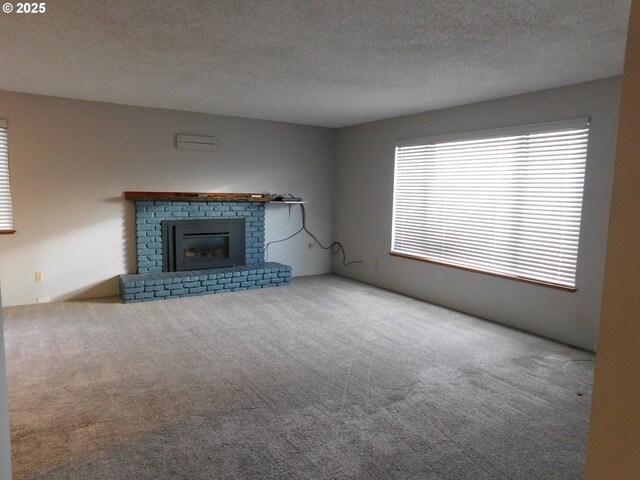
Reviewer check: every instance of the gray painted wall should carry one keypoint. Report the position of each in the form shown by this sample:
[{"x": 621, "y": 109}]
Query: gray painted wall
[
  {"x": 71, "y": 160},
  {"x": 364, "y": 201},
  {"x": 5, "y": 449}
]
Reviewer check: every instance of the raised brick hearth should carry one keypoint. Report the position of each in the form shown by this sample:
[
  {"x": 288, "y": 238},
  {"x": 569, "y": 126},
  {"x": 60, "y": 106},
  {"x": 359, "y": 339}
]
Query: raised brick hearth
[{"x": 157, "y": 286}]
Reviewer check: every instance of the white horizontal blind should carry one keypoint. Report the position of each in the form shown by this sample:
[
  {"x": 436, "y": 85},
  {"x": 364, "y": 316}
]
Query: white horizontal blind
[
  {"x": 504, "y": 201},
  {"x": 6, "y": 211}
]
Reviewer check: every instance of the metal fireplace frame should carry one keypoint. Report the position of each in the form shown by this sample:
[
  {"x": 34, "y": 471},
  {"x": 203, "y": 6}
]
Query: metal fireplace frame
[{"x": 174, "y": 233}]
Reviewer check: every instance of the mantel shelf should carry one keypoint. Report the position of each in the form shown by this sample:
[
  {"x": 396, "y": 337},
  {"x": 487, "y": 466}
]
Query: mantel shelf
[{"x": 199, "y": 196}]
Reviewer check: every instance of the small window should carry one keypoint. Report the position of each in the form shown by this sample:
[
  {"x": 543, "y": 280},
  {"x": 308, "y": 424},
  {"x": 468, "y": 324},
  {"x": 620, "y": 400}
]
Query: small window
[
  {"x": 6, "y": 210},
  {"x": 506, "y": 202}
]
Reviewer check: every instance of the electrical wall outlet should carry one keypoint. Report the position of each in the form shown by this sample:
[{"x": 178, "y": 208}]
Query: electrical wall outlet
[
  {"x": 39, "y": 277},
  {"x": 44, "y": 299},
  {"x": 311, "y": 245}
]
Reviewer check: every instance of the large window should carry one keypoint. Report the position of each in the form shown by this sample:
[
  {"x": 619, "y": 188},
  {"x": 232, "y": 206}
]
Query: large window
[
  {"x": 6, "y": 211},
  {"x": 506, "y": 202}
]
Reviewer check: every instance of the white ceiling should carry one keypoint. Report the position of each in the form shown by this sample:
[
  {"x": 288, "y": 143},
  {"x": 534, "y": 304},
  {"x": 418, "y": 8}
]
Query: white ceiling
[{"x": 317, "y": 62}]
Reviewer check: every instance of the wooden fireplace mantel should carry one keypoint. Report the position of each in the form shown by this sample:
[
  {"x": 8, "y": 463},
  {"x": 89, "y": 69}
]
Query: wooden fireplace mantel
[{"x": 199, "y": 196}]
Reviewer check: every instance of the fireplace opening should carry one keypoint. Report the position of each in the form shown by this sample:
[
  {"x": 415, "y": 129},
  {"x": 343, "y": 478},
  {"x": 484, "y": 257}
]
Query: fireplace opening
[
  {"x": 199, "y": 247},
  {"x": 202, "y": 244}
]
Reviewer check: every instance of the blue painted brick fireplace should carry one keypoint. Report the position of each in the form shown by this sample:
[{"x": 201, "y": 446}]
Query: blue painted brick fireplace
[
  {"x": 150, "y": 214},
  {"x": 151, "y": 283}
]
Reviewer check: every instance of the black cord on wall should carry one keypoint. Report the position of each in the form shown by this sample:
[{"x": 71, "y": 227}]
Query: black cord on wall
[{"x": 334, "y": 248}]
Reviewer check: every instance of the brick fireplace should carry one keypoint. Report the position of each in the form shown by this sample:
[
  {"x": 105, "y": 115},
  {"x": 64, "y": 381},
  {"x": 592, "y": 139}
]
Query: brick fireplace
[
  {"x": 151, "y": 214},
  {"x": 156, "y": 212}
]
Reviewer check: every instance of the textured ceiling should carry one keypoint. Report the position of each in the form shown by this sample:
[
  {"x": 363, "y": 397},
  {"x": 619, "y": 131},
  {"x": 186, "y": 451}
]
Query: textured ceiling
[{"x": 318, "y": 62}]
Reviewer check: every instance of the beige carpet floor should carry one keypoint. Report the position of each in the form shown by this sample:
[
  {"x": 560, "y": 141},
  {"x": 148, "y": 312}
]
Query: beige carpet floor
[{"x": 325, "y": 379}]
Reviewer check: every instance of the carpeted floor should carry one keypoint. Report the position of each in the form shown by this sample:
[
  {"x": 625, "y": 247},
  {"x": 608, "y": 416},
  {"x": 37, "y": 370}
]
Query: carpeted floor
[{"x": 326, "y": 379}]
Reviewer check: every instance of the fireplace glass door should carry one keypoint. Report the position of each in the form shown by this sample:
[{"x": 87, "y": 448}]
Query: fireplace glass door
[{"x": 198, "y": 247}]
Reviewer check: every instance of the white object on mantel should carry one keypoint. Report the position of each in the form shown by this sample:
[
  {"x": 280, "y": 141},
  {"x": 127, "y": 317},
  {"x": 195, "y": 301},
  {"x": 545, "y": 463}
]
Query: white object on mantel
[{"x": 195, "y": 142}]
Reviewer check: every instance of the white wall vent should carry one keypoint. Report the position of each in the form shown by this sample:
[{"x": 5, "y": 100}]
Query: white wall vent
[{"x": 195, "y": 142}]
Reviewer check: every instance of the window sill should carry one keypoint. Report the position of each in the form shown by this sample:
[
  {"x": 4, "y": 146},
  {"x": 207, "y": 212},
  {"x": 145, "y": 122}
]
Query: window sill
[{"x": 7, "y": 232}]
